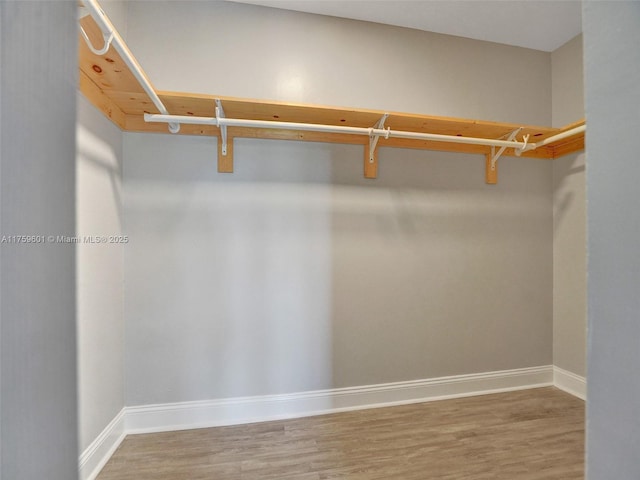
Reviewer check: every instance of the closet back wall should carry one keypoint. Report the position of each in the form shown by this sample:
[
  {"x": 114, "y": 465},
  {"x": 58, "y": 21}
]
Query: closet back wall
[
  {"x": 247, "y": 51},
  {"x": 294, "y": 273}
]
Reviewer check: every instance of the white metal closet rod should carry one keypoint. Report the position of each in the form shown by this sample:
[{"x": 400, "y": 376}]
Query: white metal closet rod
[
  {"x": 232, "y": 122},
  {"x": 561, "y": 136},
  {"x": 111, "y": 35},
  {"x": 109, "y": 30}
]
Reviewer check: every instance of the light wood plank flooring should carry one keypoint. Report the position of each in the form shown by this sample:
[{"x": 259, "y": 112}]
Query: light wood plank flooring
[{"x": 525, "y": 435}]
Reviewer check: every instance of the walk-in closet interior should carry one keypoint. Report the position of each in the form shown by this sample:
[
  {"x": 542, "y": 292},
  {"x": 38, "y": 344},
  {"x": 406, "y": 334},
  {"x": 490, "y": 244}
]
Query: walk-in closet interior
[{"x": 319, "y": 240}]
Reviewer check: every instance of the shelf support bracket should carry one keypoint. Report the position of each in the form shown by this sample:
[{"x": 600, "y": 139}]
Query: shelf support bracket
[
  {"x": 225, "y": 143},
  {"x": 370, "y": 150},
  {"x": 223, "y": 128},
  {"x": 491, "y": 166},
  {"x": 105, "y": 48}
]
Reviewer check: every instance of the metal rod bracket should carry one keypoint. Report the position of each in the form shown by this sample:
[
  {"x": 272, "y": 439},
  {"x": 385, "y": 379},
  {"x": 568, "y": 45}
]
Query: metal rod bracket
[
  {"x": 108, "y": 38},
  {"x": 491, "y": 164},
  {"x": 373, "y": 139},
  {"x": 518, "y": 151},
  {"x": 509, "y": 137},
  {"x": 223, "y": 128}
]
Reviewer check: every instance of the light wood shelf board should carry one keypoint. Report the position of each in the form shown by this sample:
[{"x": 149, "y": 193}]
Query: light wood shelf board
[
  {"x": 108, "y": 72},
  {"x": 109, "y": 84},
  {"x": 203, "y": 105},
  {"x": 568, "y": 146},
  {"x": 104, "y": 103}
]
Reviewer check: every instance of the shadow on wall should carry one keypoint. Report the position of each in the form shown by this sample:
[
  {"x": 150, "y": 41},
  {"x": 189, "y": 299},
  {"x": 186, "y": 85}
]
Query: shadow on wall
[
  {"x": 568, "y": 186},
  {"x": 296, "y": 274},
  {"x": 96, "y": 153}
]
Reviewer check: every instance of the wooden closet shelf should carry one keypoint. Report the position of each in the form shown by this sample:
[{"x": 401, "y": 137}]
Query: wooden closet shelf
[{"x": 112, "y": 87}]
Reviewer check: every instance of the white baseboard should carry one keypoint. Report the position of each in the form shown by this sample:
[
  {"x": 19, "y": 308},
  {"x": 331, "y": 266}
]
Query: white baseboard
[
  {"x": 234, "y": 411},
  {"x": 570, "y": 382},
  {"x": 187, "y": 415},
  {"x": 99, "y": 452}
]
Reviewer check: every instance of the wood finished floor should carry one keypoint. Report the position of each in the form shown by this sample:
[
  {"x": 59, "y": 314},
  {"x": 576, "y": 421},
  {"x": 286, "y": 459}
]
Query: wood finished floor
[{"x": 526, "y": 435}]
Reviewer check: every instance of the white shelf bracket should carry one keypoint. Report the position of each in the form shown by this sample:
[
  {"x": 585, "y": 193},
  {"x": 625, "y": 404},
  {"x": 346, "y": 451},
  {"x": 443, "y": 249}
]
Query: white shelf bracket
[
  {"x": 509, "y": 137},
  {"x": 113, "y": 39},
  {"x": 108, "y": 38},
  {"x": 525, "y": 146},
  {"x": 373, "y": 138},
  {"x": 223, "y": 128}
]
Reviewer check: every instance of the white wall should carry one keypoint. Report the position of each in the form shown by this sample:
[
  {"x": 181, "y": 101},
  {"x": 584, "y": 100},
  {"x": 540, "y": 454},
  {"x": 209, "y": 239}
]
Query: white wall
[
  {"x": 38, "y": 425},
  {"x": 612, "y": 99},
  {"x": 569, "y": 217},
  {"x": 295, "y": 273},
  {"x": 99, "y": 272}
]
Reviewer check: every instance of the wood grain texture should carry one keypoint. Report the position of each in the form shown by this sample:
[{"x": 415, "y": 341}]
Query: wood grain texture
[
  {"x": 108, "y": 72},
  {"x": 101, "y": 101},
  {"x": 370, "y": 168},
  {"x": 490, "y": 174},
  {"x": 569, "y": 145},
  {"x": 526, "y": 435},
  {"x": 110, "y": 75},
  {"x": 225, "y": 162}
]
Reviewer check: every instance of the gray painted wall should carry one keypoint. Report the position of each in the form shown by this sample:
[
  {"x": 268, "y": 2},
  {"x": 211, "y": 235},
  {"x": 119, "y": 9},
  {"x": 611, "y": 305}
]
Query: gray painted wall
[
  {"x": 295, "y": 273},
  {"x": 255, "y": 52},
  {"x": 567, "y": 83},
  {"x": 116, "y": 10},
  {"x": 612, "y": 97},
  {"x": 38, "y": 427},
  {"x": 100, "y": 274},
  {"x": 1, "y": 135},
  {"x": 569, "y": 217}
]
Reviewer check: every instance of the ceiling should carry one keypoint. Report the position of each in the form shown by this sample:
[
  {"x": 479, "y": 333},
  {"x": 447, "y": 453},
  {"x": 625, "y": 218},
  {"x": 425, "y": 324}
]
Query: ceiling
[{"x": 538, "y": 24}]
